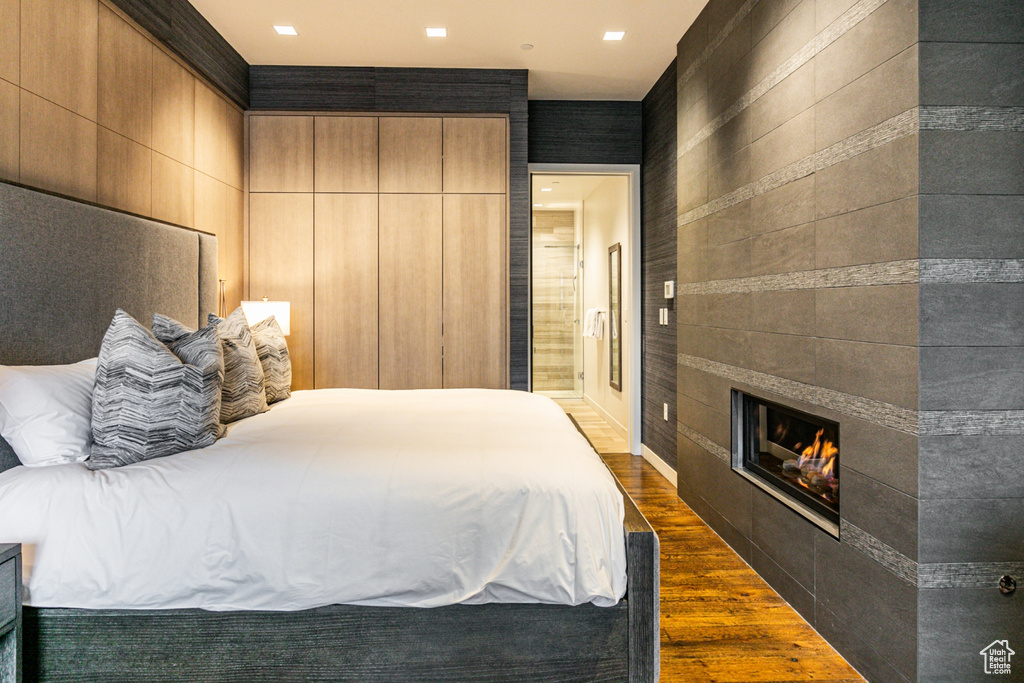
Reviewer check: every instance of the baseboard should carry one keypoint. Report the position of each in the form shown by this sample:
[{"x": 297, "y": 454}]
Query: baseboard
[
  {"x": 612, "y": 422},
  {"x": 660, "y": 465}
]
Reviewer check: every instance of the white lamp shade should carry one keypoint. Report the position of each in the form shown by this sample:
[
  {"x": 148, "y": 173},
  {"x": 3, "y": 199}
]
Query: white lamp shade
[{"x": 257, "y": 311}]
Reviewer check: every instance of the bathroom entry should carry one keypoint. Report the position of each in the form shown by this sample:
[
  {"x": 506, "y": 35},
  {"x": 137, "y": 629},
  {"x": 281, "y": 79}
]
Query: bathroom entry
[
  {"x": 581, "y": 332},
  {"x": 557, "y": 290}
]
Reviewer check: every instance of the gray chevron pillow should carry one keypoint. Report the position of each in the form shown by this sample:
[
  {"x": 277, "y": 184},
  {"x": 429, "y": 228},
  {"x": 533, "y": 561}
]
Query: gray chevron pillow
[
  {"x": 244, "y": 392},
  {"x": 277, "y": 364},
  {"x": 193, "y": 348},
  {"x": 146, "y": 402}
]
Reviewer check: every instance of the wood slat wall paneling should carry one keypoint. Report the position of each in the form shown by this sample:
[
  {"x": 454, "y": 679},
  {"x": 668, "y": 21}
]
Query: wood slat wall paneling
[
  {"x": 410, "y": 291},
  {"x": 179, "y": 26},
  {"x": 346, "y": 154},
  {"x": 281, "y": 154},
  {"x": 125, "y": 79},
  {"x": 59, "y": 42},
  {"x": 58, "y": 149},
  {"x": 173, "y": 191},
  {"x": 10, "y": 130},
  {"x": 474, "y": 291},
  {"x": 173, "y": 109},
  {"x": 474, "y": 155},
  {"x": 281, "y": 268},
  {"x": 218, "y": 210},
  {"x": 410, "y": 154},
  {"x": 658, "y": 264},
  {"x": 96, "y": 107},
  {"x": 218, "y": 137},
  {"x": 345, "y": 287},
  {"x": 10, "y": 41},
  {"x": 585, "y": 132},
  {"x": 124, "y": 173},
  {"x": 488, "y": 91}
]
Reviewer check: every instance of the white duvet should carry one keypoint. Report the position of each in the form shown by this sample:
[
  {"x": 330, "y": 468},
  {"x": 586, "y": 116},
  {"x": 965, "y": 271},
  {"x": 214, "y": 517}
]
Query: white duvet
[{"x": 405, "y": 498}]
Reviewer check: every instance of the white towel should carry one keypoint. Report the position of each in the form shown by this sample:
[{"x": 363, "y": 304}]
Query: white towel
[{"x": 593, "y": 324}]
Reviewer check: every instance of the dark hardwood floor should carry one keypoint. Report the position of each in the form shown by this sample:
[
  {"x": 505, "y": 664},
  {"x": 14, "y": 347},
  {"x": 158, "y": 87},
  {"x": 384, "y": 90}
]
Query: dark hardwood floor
[{"x": 719, "y": 620}]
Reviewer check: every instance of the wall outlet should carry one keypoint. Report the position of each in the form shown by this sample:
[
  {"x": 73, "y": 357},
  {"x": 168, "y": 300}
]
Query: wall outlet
[{"x": 664, "y": 410}]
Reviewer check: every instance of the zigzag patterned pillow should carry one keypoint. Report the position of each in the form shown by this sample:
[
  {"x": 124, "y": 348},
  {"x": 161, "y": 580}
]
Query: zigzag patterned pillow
[
  {"x": 244, "y": 392},
  {"x": 277, "y": 364},
  {"x": 146, "y": 402},
  {"x": 193, "y": 348}
]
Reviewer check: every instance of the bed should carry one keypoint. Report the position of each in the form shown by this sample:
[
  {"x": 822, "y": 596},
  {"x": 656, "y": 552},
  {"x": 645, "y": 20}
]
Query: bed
[{"x": 67, "y": 265}]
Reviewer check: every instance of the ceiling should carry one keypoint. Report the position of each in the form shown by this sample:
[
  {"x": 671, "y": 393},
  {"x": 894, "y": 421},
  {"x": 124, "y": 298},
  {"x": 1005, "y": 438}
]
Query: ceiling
[
  {"x": 569, "y": 59},
  {"x": 566, "y": 190}
]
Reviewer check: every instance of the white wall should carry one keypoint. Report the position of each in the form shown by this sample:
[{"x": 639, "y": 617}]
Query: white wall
[{"x": 605, "y": 222}]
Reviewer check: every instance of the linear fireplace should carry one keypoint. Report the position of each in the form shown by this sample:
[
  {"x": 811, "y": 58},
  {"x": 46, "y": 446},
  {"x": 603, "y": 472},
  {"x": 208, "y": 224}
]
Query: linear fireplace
[{"x": 792, "y": 455}]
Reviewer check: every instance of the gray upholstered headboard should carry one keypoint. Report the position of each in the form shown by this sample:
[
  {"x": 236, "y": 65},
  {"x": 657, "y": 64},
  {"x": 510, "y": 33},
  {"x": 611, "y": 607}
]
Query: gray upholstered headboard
[{"x": 65, "y": 267}]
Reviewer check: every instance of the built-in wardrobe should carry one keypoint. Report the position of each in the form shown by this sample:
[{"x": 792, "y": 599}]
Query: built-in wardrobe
[{"x": 388, "y": 235}]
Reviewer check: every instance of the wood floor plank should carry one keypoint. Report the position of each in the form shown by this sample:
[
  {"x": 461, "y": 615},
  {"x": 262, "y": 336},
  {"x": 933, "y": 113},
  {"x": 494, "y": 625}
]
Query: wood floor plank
[{"x": 719, "y": 620}]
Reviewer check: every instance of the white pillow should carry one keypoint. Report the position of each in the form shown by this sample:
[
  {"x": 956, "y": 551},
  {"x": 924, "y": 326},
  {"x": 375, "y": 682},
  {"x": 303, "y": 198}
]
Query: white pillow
[{"x": 46, "y": 411}]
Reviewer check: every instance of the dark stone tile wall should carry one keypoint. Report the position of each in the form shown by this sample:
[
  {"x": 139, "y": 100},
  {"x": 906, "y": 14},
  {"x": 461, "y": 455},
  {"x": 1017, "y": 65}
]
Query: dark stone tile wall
[
  {"x": 797, "y": 246},
  {"x": 658, "y": 264},
  {"x": 971, "y": 478}
]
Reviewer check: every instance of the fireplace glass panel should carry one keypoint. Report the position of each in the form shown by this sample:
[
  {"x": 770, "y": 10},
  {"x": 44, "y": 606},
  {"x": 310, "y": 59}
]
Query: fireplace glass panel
[{"x": 794, "y": 452}]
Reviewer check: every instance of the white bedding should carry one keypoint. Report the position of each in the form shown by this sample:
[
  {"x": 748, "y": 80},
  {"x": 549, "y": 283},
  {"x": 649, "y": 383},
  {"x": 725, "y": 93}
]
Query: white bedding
[{"x": 403, "y": 498}]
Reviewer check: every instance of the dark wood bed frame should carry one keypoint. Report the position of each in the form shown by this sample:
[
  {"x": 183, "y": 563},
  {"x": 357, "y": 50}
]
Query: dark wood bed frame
[{"x": 87, "y": 261}]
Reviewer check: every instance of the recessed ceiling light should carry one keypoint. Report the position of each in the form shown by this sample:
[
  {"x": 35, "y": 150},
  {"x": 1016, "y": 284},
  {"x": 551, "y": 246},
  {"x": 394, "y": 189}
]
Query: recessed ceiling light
[
  {"x": 526, "y": 46},
  {"x": 437, "y": 33},
  {"x": 614, "y": 35},
  {"x": 545, "y": 189},
  {"x": 286, "y": 31}
]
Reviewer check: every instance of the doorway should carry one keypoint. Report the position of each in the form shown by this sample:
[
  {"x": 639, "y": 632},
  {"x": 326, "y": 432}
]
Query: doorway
[{"x": 584, "y": 290}]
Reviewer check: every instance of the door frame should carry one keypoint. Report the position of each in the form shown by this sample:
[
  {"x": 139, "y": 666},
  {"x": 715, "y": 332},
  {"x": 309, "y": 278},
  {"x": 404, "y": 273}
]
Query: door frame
[{"x": 632, "y": 359}]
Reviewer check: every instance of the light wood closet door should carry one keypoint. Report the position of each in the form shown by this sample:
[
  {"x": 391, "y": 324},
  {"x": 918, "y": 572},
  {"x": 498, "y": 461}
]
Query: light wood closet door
[
  {"x": 410, "y": 291},
  {"x": 280, "y": 153},
  {"x": 346, "y": 290},
  {"x": 474, "y": 155},
  {"x": 474, "y": 292},
  {"x": 410, "y": 154},
  {"x": 346, "y": 154},
  {"x": 281, "y": 268}
]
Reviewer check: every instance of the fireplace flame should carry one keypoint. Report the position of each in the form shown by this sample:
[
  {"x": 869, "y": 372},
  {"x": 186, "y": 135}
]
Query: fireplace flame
[{"x": 819, "y": 457}]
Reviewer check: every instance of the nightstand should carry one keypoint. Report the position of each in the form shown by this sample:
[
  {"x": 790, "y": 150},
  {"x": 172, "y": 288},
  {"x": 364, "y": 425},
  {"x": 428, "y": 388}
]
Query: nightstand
[{"x": 10, "y": 613}]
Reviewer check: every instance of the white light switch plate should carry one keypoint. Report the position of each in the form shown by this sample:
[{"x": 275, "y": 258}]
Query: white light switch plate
[
  {"x": 664, "y": 410},
  {"x": 670, "y": 289}
]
